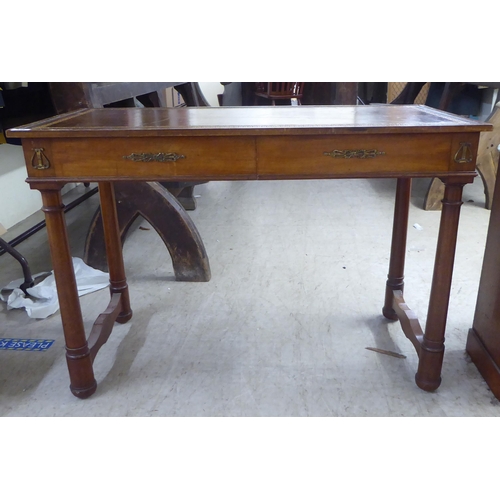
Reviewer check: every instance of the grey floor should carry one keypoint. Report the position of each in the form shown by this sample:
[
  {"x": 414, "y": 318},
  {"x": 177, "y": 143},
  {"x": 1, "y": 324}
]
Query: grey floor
[{"x": 298, "y": 276}]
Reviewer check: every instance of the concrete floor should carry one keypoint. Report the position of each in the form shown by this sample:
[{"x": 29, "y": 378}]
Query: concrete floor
[{"x": 298, "y": 277}]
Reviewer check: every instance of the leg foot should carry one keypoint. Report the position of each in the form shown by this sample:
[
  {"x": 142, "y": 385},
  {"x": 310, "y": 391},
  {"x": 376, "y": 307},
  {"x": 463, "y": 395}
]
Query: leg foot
[
  {"x": 124, "y": 317},
  {"x": 83, "y": 393},
  {"x": 426, "y": 385},
  {"x": 428, "y": 376},
  {"x": 389, "y": 313}
]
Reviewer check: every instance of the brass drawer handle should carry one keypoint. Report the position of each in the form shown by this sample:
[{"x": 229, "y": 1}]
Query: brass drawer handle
[
  {"x": 147, "y": 157},
  {"x": 354, "y": 153}
]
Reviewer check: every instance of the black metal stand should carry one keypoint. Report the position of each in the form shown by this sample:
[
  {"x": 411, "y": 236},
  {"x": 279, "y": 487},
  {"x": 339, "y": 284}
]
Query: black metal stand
[
  {"x": 28, "y": 279},
  {"x": 9, "y": 247}
]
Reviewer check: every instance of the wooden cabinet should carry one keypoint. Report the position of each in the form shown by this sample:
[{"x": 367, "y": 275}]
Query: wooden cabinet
[{"x": 483, "y": 342}]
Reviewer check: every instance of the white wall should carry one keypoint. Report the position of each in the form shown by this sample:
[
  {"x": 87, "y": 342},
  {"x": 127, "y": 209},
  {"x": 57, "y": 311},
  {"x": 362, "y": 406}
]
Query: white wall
[{"x": 17, "y": 200}]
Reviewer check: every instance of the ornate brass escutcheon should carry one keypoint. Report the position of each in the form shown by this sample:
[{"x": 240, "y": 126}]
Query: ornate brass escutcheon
[
  {"x": 354, "y": 153},
  {"x": 161, "y": 157},
  {"x": 39, "y": 160},
  {"x": 464, "y": 154}
]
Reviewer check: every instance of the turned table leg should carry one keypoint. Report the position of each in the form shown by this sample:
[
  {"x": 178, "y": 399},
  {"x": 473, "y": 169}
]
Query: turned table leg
[
  {"x": 117, "y": 278},
  {"x": 78, "y": 356},
  {"x": 395, "y": 278},
  {"x": 428, "y": 376}
]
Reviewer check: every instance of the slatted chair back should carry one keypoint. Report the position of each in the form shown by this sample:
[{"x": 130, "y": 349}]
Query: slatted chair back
[{"x": 280, "y": 90}]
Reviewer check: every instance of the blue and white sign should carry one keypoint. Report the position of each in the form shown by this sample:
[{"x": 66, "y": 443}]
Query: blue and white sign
[{"x": 25, "y": 344}]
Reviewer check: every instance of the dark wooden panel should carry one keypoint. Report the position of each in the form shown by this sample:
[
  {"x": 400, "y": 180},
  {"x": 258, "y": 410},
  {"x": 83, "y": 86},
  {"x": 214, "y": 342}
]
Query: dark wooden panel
[{"x": 483, "y": 343}]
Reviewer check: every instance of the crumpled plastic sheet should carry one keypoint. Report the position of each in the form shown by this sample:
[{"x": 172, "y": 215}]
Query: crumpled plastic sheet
[{"x": 42, "y": 300}]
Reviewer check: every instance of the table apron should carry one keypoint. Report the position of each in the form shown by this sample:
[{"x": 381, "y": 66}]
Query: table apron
[{"x": 252, "y": 157}]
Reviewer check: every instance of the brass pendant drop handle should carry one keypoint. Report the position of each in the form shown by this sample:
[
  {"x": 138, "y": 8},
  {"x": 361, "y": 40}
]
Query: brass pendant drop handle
[{"x": 39, "y": 160}]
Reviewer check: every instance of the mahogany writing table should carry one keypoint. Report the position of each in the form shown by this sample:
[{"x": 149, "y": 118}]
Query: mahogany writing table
[{"x": 249, "y": 143}]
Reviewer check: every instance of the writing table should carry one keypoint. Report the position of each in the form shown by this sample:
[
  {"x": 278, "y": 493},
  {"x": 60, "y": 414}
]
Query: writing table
[{"x": 250, "y": 143}]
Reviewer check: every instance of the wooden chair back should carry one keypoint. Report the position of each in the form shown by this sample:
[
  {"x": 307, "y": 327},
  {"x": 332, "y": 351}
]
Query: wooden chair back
[{"x": 280, "y": 90}]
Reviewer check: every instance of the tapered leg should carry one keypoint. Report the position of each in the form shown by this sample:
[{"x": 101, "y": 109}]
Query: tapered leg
[
  {"x": 78, "y": 357},
  {"x": 395, "y": 277},
  {"x": 117, "y": 278},
  {"x": 428, "y": 375}
]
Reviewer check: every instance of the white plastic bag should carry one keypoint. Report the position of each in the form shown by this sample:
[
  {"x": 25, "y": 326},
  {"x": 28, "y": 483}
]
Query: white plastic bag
[{"x": 42, "y": 301}]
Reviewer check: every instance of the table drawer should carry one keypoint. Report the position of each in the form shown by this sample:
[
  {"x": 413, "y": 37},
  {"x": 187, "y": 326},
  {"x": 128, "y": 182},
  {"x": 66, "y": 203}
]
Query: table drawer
[
  {"x": 153, "y": 158},
  {"x": 356, "y": 155}
]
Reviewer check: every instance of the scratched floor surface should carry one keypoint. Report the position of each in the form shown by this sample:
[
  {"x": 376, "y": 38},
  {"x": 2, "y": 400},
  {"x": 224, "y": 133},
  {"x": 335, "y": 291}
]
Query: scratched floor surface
[{"x": 282, "y": 328}]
